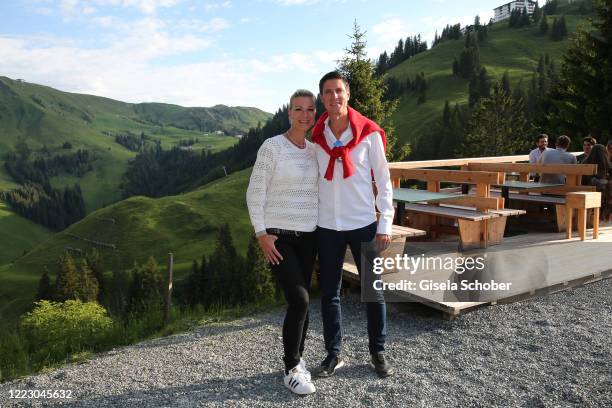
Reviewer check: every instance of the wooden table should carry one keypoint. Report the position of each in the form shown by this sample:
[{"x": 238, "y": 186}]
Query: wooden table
[
  {"x": 408, "y": 195},
  {"x": 523, "y": 185}
]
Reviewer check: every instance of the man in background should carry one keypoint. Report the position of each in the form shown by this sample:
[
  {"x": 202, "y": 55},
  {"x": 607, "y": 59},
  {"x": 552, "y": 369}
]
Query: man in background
[
  {"x": 535, "y": 154},
  {"x": 587, "y": 144},
  {"x": 559, "y": 155}
]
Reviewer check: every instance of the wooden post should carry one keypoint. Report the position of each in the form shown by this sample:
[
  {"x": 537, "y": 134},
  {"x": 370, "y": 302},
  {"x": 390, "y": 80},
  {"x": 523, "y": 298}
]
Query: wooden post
[{"x": 168, "y": 299}]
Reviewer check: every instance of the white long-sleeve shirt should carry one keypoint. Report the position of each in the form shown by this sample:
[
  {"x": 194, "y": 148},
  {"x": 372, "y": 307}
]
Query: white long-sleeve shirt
[
  {"x": 347, "y": 204},
  {"x": 283, "y": 189}
]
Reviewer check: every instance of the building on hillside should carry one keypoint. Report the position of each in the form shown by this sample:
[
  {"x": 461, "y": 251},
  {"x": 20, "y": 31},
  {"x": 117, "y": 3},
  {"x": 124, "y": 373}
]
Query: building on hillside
[{"x": 503, "y": 12}]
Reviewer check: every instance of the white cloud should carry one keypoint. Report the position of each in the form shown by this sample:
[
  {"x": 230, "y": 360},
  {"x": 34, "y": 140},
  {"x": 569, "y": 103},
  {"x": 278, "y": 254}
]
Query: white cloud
[
  {"x": 126, "y": 70},
  {"x": 213, "y": 25}
]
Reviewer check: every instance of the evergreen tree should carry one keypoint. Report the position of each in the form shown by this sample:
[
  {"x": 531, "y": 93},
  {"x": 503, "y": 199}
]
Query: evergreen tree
[
  {"x": 497, "y": 127},
  {"x": 257, "y": 274},
  {"x": 469, "y": 62},
  {"x": 367, "y": 92},
  {"x": 525, "y": 21},
  {"x": 88, "y": 286},
  {"x": 582, "y": 98},
  {"x": 483, "y": 34},
  {"x": 382, "y": 64},
  {"x": 537, "y": 13},
  {"x": 67, "y": 281},
  {"x": 455, "y": 66},
  {"x": 223, "y": 266},
  {"x": 145, "y": 288},
  {"x": 45, "y": 289},
  {"x": 94, "y": 262}
]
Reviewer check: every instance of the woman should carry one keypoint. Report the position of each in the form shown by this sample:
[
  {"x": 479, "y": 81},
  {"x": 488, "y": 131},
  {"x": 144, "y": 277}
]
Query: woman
[
  {"x": 283, "y": 205},
  {"x": 602, "y": 180}
]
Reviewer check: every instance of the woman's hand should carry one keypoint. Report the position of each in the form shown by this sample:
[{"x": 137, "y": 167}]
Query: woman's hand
[{"x": 266, "y": 243}]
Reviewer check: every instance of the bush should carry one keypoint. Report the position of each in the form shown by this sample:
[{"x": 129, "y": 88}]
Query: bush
[
  {"x": 55, "y": 330},
  {"x": 14, "y": 358}
]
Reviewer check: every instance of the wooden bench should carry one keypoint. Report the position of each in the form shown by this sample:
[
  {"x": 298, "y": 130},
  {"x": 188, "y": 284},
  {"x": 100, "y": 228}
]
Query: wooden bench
[
  {"x": 573, "y": 179},
  {"x": 399, "y": 234},
  {"x": 476, "y": 228},
  {"x": 474, "y": 214}
]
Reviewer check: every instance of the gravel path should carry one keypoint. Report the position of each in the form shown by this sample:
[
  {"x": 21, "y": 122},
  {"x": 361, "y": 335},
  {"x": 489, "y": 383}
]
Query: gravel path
[{"x": 551, "y": 351}]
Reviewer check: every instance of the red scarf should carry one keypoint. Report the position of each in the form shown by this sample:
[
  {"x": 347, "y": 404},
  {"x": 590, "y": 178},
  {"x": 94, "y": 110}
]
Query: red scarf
[{"x": 361, "y": 127}]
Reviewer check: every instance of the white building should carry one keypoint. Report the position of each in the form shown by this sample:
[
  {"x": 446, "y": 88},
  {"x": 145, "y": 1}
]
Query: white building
[{"x": 503, "y": 12}]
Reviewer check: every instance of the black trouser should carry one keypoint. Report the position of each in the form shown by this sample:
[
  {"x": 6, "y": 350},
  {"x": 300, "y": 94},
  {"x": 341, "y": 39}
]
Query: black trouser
[
  {"x": 332, "y": 247},
  {"x": 294, "y": 273}
]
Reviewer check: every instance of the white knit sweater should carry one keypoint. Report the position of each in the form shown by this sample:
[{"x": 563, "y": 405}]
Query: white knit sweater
[{"x": 283, "y": 190}]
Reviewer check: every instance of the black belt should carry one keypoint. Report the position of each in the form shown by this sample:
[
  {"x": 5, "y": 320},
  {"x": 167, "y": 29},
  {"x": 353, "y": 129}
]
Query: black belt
[{"x": 278, "y": 231}]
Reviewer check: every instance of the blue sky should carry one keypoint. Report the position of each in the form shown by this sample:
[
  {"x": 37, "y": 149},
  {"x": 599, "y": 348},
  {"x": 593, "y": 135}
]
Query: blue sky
[{"x": 202, "y": 53}]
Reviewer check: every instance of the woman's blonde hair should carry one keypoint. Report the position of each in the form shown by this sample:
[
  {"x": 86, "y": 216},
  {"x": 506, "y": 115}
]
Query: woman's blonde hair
[{"x": 301, "y": 93}]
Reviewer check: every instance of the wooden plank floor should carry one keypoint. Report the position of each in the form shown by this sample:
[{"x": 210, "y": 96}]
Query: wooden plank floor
[{"x": 559, "y": 264}]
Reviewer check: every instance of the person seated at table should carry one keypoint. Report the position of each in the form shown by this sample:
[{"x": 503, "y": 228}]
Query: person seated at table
[
  {"x": 609, "y": 147},
  {"x": 587, "y": 144},
  {"x": 535, "y": 154},
  {"x": 602, "y": 180},
  {"x": 541, "y": 147},
  {"x": 559, "y": 155}
]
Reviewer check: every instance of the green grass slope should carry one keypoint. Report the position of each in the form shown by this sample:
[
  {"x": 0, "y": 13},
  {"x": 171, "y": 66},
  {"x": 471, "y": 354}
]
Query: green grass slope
[
  {"x": 42, "y": 115},
  {"x": 184, "y": 225},
  {"x": 507, "y": 49}
]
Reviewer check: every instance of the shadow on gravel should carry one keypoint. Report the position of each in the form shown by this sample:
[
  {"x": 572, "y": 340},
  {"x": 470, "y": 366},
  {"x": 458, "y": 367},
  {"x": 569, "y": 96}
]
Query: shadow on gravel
[{"x": 261, "y": 388}]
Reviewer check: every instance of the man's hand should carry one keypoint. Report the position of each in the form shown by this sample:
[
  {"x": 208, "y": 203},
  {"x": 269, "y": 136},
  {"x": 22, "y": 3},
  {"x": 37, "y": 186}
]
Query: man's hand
[
  {"x": 382, "y": 241},
  {"x": 266, "y": 243}
]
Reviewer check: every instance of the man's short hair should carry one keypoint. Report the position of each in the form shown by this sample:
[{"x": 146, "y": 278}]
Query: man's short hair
[
  {"x": 590, "y": 139},
  {"x": 563, "y": 142},
  {"x": 301, "y": 93},
  {"x": 332, "y": 75},
  {"x": 542, "y": 136},
  {"x": 609, "y": 143}
]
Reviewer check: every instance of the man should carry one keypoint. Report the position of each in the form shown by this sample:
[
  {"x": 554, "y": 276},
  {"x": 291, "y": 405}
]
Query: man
[
  {"x": 535, "y": 154},
  {"x": 350, "y": 148},
  {"x": 557, "y": 156},
  {"x": 587, "y": 144},
  {"x": 542, "y": 146}
]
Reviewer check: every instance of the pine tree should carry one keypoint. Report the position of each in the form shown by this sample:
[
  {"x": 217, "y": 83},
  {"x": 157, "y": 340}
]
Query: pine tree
[
  {"x": 497, "y": 126},
  {"x": 446, "y": 115},
  {"x": 469, "y": 62},
  {"x": 94, "y": 262},
  {"x": 88, "y": 286},
  {"x": 455, "y": 66},
  {"x": 537, "y": 13},
  {"x": 45, "y": 289},
  {"x": 582, "y": 101},
  {"x": 367, "y": 92},
  {"x": 257, "y": 274},
  {"x": 145, "y": 288},
  {"x": 223, "y": 265},
  {"x": 67, "y": 281},
  {"x": 525, "y": 21}
]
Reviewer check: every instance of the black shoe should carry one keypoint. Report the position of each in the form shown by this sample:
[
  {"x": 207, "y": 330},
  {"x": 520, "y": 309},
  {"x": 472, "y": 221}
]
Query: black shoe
[
  {"x": 381, "y": 366},
  {"x": 329, "y": 366}
]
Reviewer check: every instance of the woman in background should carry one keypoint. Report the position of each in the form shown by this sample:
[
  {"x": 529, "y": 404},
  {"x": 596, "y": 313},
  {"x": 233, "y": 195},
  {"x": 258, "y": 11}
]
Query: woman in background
[
  {"x": 602, "y": 180},
  {"x": 283, "y": 203}
]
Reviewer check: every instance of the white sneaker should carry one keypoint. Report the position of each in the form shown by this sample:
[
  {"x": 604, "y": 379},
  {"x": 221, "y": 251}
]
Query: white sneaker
[
  {"x": 298, "y": 381},
  {"x": 302, "y": 366}
]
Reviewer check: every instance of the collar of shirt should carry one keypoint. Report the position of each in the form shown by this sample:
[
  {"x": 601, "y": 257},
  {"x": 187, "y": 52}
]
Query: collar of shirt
[{"x": 345, "y": 137}]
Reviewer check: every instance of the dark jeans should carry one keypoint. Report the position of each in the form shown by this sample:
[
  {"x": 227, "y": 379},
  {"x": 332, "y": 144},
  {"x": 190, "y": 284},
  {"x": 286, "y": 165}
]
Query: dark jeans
[
  {"x": 294, "y": 273},
  {"x": 332, "y": 247}
]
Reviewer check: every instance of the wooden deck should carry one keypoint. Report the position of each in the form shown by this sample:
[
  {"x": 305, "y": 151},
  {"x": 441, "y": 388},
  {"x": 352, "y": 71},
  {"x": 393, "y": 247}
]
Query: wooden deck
[{"x": 537, "y": 263}]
